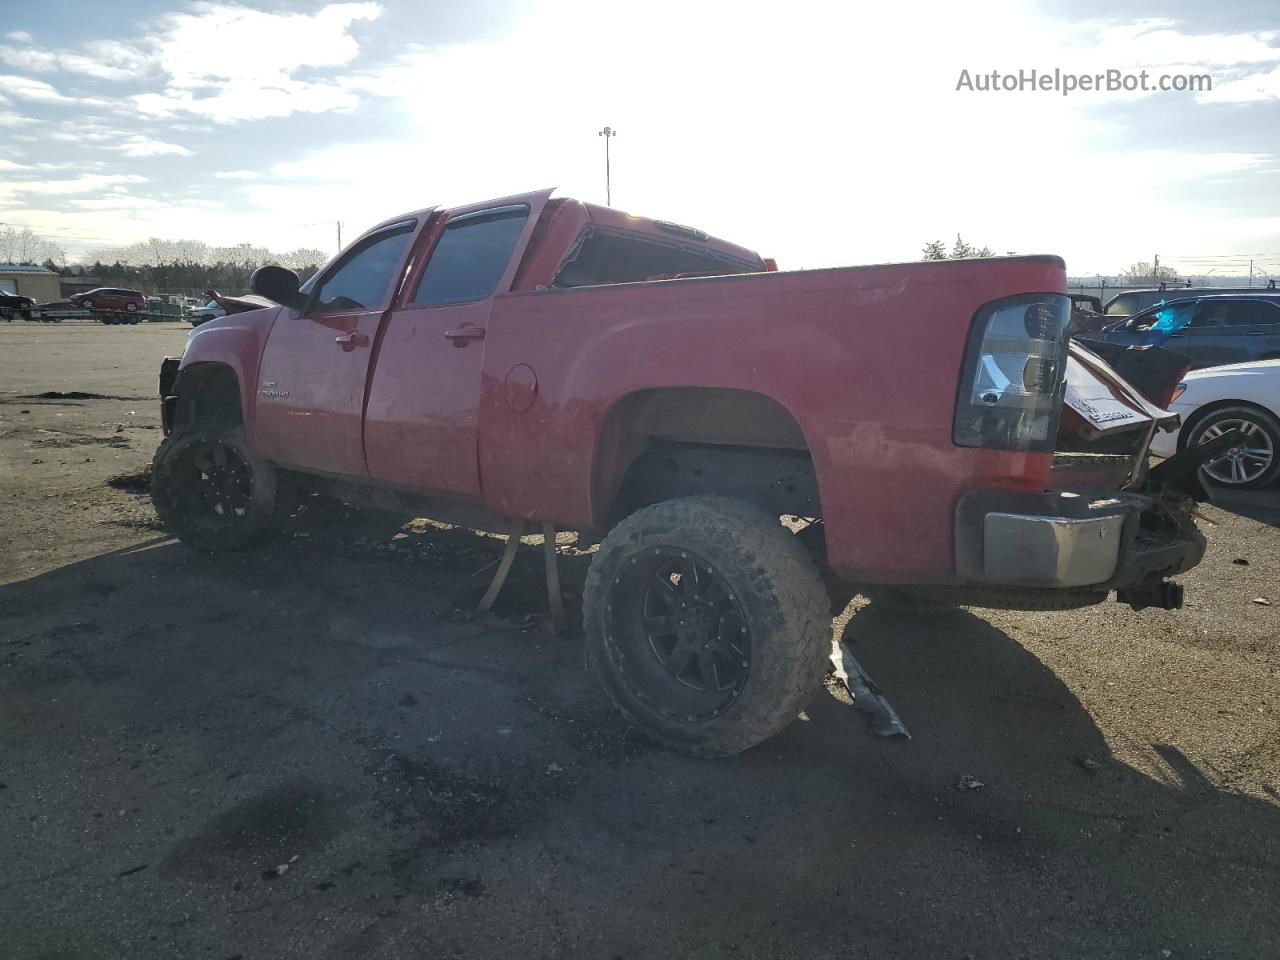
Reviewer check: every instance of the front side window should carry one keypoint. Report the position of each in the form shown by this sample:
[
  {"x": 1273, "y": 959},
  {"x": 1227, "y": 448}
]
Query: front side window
[
  {"x": 1122, "y": 306},
  {"x": 363, "y": 280},
  {"x": 469, "y": 259}
]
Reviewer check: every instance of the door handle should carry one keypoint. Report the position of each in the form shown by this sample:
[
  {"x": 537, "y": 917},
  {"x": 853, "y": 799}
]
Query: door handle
[
  {"x": 1256, "y": 333},
  {"x": 353, "y": 339},
  {"x": 462, "y": 335}
]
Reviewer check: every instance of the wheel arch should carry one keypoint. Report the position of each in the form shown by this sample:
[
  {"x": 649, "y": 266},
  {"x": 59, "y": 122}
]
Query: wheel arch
[
  {"x": 730, "y": 428},
  {"x": 209, "y": 392},
  {"x": 1212, "y": 407}
]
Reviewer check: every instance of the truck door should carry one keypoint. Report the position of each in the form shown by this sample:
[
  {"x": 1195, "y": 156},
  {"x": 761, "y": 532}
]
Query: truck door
[
  {"x": 421, "y": 420},
  {"x": 310, "y": 391}
]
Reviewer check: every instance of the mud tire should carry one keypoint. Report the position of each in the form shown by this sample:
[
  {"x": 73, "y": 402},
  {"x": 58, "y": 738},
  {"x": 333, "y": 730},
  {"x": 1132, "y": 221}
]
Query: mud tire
[
  {"x": 781, "y": 599},
  {"x": 180, "y": 508}
]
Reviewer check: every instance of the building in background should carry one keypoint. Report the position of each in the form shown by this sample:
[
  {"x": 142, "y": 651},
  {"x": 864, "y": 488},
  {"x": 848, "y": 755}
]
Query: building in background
[{"x": 39, "y": 284}]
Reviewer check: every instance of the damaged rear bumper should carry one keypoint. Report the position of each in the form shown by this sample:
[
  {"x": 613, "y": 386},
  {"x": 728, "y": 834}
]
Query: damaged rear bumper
[{"x": 1066, "y": 540}]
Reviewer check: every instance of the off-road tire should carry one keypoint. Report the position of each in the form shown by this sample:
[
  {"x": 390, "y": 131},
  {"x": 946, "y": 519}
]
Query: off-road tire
[
  {"x": 169, "y": 471},
  {"x": 782, "y": 601},
  {"x": 1266, "y": 421}
]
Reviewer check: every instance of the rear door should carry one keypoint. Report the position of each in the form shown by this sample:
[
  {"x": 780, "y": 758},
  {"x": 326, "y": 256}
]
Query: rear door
[
  {"x": 311, "y": 386},
  {"x": 1257, "y": 325},
  {"x": 421, "y": 422}
]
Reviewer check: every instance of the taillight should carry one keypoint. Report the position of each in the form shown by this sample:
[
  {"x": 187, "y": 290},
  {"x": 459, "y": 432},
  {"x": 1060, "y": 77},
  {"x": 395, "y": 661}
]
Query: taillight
[{"x": 1011, "y": 392}]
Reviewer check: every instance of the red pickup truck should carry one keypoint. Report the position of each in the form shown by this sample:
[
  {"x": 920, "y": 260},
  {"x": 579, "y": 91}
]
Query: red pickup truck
[{"x": 925, "y": 426}]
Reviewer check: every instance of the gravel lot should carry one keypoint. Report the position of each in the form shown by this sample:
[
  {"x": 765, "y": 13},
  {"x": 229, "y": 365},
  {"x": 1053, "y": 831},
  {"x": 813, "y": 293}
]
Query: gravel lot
[{"x": 304, "y": 752}]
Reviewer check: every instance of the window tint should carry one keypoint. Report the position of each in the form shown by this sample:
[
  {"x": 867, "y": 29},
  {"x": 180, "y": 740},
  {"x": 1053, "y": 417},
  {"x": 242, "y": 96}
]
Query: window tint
[
  {"x": 620, "y": 256},
  {"x": 1212, "y": 315},
  {"x": 1122, "y": 305},
  {"x": 364, "y": 279},
  {"x": 470, "y": 257},
  {"x": 1250, "y": 313}
]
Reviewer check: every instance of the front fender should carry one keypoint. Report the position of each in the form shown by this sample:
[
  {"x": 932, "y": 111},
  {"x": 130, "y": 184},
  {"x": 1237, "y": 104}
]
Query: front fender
[{"x": 236, "y": 342}]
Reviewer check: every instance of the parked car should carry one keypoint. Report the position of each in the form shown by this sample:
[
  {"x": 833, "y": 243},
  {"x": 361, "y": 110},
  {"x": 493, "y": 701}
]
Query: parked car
[
  {"x": 1209, "y": 331},
  {"x": 14, "y": 306},
  {"x": 1129, "y": 302},
  {"x": 211, "y": 310},
  {"x": 515, "y": 360},
  {"x": 110, "y": 300},
  {"x": 1244, "y": 396}
]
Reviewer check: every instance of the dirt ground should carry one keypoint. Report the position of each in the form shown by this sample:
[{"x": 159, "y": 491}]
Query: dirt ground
[{"x": 305, "y": 751}]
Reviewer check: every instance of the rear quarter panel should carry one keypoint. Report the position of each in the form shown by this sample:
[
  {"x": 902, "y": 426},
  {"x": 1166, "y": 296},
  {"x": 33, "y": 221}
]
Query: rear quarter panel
[{"x": 867, "y": 360}]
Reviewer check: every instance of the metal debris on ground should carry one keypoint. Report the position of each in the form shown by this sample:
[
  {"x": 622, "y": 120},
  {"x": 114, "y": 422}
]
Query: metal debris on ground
[
  {"x": 867, "y": 697},
  {"x": 967, "y": 781},
  {"x": 1262, "y": 601},
  {"x": 1088, "y": 763}
]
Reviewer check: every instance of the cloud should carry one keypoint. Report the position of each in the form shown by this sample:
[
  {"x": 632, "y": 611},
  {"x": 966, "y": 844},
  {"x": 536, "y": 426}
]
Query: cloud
[
  {"x": 231, "y": 64},
  {"x": 237, "y": 175},
  {"x": 86, "y": 183},
  {"x": 136, "y": 145},
  {"x": 10, "y": 119},
  {"x": 19, "y": 36},
  {"x": 99, "y": 59},
  {"x": 37, "y": 91}
]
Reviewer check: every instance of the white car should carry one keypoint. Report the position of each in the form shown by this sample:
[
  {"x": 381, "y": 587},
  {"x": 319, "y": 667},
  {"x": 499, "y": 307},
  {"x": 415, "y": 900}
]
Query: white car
[
  {"x": 1216, "y": 399},
  {"x": 210, "y": 311}
]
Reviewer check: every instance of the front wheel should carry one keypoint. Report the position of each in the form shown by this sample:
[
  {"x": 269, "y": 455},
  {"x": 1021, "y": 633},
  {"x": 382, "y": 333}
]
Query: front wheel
[
  {"x": 707, "y": 623},
  {"x": 1257, "y": 463},
  {"x": 209, "y": 491}
]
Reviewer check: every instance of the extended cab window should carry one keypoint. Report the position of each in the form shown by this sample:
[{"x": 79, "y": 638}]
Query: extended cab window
[
  {"x": 470, "y": 257},
  {"x": 606, "y": 255},
  {"x": 364, "y": 278}
]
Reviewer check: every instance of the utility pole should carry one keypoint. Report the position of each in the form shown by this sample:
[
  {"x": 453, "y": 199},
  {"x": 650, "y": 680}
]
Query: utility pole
[
  {"x": 339, "y": 223},
  {"x": 1251, "y": 273},
  {"x": 608, "y": 133}
]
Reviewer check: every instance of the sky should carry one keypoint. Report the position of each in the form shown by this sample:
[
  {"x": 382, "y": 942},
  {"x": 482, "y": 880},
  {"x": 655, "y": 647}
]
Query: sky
[{"x": 817, "y": 133}]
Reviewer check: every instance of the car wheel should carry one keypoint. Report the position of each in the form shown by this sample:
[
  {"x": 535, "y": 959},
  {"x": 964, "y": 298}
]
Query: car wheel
[
  {"x": 131, "y": 307},
  {"x": 86, "y": 304},
  {"x": 1254, "y": 465},
  {"x": 707, "y": 623},
  {"x": 209, "y": 490}
]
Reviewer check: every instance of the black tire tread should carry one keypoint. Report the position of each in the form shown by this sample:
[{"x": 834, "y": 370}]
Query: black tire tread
[
  {"x": 784, "y": 592},
  {"x": 264, "y": 485}
]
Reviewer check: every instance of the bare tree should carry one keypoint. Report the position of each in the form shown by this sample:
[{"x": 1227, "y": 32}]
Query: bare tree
[
  {"x": 1145, "y": 272},
  {"x": 23, "y": 246}
]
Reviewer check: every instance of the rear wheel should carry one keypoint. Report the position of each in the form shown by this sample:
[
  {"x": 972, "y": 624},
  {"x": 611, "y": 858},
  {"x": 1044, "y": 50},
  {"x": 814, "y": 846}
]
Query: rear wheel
[
  {"x": 210, "y": 491},
  {"x": 1257, "y": 463},
  {"x": 707, "y": 623}
]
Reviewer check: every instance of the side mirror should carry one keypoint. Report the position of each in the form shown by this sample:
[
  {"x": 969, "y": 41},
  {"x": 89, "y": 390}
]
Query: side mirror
[{"x": 279, "y": 286}]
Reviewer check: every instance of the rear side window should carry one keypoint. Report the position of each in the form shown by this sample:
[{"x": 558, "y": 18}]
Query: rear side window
[
  {"x": 1249, "y": 314},
  {"x": 470, "y": 257},
  {"x": 605, "y": 255},
  {"x": 364, "y": 278},
  {"x": 1122, "y": 306}
]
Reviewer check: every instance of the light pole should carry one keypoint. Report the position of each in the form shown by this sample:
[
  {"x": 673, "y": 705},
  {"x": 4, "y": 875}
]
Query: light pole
[{"x": 608, "y": 133}]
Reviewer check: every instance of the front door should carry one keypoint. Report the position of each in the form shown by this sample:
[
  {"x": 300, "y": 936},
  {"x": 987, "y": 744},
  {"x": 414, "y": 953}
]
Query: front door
[
  {"x": 421, "y": 423},
  {"x": 310, "y": 391}
]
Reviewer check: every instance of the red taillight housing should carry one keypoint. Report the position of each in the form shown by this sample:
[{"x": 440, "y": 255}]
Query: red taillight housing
[{"x": 1010, "y": 395}]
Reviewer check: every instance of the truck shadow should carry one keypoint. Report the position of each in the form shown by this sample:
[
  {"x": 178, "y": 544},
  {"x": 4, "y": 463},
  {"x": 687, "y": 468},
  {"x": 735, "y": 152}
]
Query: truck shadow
[{"x": 449, "y": 759}]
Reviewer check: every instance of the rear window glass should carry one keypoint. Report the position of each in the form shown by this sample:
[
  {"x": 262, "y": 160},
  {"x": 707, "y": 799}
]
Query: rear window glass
[{"x": 605, "y": 255}]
